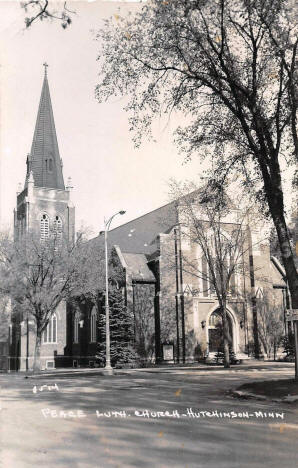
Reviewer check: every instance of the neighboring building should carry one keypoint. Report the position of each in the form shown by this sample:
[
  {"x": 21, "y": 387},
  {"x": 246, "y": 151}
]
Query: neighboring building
[{"x": 44, "y": 204}]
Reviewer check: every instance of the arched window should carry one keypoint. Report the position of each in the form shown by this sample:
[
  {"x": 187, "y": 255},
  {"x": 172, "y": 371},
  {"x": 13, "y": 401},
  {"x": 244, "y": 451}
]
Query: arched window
[
  {"x": 76, "y": 324},
  {"x": 93, "y": 326},
  {"x": 50, "y": 333},
  {"x": 215, "y": 320},
  {"x": 44, "y": 227},
  {"x": 50, "y": 165},
  {"x": 215, "y": 331},
  {"x": 58, "y": 227},
  {"x": 221, "y": 264}
]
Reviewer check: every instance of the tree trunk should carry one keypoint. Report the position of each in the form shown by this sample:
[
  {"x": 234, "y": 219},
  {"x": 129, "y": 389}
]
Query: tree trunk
[
  {"x": 226, "y": 337},
  {"x": 274, "y": 350},
  {"x": 288, "y": 260},
  {"x": 274, "y": 196},
  {"x": 37, "y": 364}
]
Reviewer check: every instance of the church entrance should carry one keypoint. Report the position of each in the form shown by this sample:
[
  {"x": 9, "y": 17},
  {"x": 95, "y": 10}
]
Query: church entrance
[{"x": 215, "y": 331}]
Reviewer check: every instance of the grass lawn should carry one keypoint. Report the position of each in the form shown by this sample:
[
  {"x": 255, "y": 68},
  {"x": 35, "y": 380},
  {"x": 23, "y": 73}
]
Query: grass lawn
[{"x": 272, "y": 388}]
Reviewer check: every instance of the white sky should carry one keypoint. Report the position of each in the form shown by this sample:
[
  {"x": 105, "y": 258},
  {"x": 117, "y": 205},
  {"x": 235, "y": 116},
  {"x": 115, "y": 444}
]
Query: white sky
[{"x": 108, "y": 173}]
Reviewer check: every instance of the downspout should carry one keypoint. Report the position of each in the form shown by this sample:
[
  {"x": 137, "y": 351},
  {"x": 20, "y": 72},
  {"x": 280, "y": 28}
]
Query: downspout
[
  {"x": 158, "y": 353},
  {"x": 134, "y": 310},
  {"x": 182, "y": 300},
  {"x": 245, "y": 310},
  {"x": 285, "y": 309},
  {"x": 253, "y": 299},
  {"x": 176, "y": 297}
]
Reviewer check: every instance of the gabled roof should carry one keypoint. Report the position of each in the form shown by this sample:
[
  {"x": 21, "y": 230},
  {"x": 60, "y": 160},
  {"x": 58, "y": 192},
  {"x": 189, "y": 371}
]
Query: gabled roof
[
  {"x": 136, "y": 265},
  {"x": 139, "y": 235},
  {"x": 44, "y": 160}
]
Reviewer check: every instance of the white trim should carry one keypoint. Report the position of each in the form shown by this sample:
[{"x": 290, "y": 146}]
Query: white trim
[
  {"x": 57, "y": 310},
  {"x": 49, "y": 199},
  {"x": 121, "y": 258},
  {"x": 49, "y": 329},
  {"x": 196, "y": 314},
  {"x": 50, "y": 367}
]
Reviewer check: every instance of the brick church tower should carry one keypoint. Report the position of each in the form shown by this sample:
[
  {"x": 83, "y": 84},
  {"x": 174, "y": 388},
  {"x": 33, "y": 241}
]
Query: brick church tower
[
  {"x": 44, "y": 199},
  {"x": 44, "y": 204}
]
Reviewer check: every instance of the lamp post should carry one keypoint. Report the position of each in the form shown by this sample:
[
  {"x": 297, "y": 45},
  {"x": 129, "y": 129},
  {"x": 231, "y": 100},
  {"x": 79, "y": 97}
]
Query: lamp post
[
  {"x": 30, "y": 265},
  {"x": 179, "y": 291},
  {"x": 107, "y": 224},
  {"x": 27, "y": 342}
]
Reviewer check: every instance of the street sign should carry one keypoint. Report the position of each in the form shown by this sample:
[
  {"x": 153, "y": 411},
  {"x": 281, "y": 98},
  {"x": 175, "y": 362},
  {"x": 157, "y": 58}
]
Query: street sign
[{"x": 291, "y": 314}]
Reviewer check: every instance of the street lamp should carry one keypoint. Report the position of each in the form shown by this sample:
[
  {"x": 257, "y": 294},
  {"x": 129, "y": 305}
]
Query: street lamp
[{"x": 107, "y": 224}]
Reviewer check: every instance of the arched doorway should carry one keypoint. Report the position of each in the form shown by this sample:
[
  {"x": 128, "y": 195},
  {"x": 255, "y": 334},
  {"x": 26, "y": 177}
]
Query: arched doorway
[{"x": 215, "y": 331}]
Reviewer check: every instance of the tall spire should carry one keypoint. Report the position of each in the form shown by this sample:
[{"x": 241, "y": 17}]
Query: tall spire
[{"x": 44, "y": 160}]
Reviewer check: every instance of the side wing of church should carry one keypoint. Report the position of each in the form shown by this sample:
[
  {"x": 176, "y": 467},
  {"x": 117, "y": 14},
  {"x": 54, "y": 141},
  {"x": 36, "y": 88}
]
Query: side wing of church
[{"x": 178, "y": 306}]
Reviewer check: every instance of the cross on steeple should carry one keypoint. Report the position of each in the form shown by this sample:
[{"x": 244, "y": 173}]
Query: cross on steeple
[{"x": 45, "y": 68}]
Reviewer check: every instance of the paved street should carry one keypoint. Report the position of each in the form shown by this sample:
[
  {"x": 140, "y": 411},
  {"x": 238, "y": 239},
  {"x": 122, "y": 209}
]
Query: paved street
[{"x": 67, "y": 420}]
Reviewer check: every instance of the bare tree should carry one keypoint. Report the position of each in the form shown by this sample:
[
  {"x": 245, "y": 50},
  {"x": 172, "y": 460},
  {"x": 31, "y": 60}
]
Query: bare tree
[
  {"x": 45, "y": 9},
  {"x": 271, "y": 327},
  {"x": 38, "y": 275},
  {"x": 218, "y": 232},
  {"x": 143, "y": 305},
  {"x": 91, "y": 281},
  {"x": 230, "y": 67}
]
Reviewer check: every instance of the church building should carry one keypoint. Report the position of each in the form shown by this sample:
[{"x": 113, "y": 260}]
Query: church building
[
  {"x": 176, "y": 310},
  {"x": 176, "y": 315}
]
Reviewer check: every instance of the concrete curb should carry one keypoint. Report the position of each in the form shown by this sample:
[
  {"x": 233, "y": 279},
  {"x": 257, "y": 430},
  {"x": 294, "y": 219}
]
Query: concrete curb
[
  {"x": 102, "y": 371},
  {"x": 248, "y": 395},
  {"x": 71, "y": 373}
]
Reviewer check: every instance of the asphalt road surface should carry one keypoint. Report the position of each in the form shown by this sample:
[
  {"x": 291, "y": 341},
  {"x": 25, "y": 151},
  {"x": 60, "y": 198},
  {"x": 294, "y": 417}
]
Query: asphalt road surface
[{"x": 170, "y": 418}]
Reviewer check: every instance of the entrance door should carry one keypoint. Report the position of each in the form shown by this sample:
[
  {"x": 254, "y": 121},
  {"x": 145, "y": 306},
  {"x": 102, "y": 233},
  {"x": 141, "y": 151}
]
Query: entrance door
[{"x": 215, "y": 331}]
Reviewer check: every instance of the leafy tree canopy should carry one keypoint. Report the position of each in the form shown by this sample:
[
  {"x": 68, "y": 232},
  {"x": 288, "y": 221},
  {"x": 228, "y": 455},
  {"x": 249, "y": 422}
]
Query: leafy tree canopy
[
  {"x": 44, "y": 9},
  {"x": 229, "y": 67}
]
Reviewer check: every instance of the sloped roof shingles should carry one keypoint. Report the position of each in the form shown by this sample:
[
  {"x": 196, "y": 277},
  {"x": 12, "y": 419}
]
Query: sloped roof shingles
[{"x": 138, "y": 235}]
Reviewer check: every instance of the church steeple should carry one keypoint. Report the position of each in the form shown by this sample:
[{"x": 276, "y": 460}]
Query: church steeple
[{"x": 44, "y": 160}]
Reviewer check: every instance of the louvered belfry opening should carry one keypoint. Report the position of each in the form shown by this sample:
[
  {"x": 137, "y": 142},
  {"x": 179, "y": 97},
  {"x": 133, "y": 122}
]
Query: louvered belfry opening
[{"x": 44, "y": 227}]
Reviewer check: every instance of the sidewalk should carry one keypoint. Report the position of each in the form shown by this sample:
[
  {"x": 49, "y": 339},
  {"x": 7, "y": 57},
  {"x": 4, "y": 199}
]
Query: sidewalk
[{"x": 170, "y": 368}]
